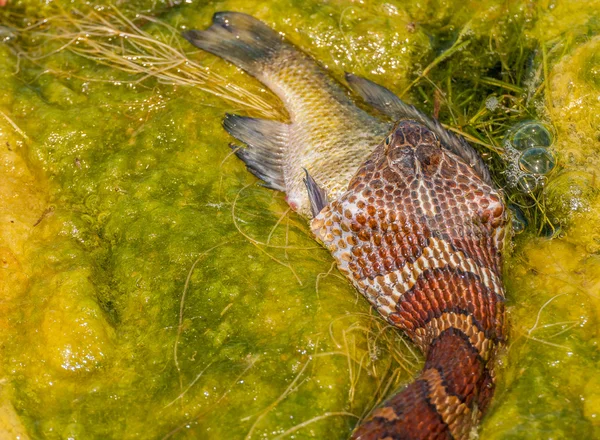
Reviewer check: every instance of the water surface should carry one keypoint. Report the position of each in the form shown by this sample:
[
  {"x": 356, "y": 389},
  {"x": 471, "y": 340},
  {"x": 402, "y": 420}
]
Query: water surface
[{"x": 152, "y": 288}]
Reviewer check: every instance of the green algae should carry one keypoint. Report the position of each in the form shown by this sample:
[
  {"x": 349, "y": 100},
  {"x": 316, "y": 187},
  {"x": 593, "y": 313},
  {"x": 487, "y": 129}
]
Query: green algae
[{"x": 163, "y": 293}]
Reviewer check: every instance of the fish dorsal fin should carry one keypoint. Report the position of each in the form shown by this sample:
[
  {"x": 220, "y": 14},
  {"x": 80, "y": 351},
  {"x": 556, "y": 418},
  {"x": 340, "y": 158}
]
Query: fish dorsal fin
[
  {"x": 266, "y": 140},
  {"x": 317, "y": 196},
  {"x": 390, "y": 105},
  {"x": 379, "y": 97}
]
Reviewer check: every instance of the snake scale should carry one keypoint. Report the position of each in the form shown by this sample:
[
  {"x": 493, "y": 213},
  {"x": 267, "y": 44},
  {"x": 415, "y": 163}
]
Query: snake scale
[
  {"x": 412, "y": 219},
  {"x": 420, "y": 235}
]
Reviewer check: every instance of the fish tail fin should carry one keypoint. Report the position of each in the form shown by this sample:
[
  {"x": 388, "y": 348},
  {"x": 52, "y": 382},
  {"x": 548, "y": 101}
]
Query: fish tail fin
[
  {"x": 386, "y": 102},
  {"x": 238, "y": 38},
  {"x": 266, "y": 142},
  {"x": 445, "y": 401}
]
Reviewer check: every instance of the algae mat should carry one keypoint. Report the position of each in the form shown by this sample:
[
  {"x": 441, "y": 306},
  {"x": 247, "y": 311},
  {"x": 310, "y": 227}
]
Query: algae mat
[{"x": 151, "y": 288}]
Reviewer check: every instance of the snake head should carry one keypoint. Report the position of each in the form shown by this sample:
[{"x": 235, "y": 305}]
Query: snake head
[{"x": 412, "y": 150}]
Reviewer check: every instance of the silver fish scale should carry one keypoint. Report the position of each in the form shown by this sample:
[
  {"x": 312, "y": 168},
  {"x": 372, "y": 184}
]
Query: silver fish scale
[{"x": 328, "y": 135}]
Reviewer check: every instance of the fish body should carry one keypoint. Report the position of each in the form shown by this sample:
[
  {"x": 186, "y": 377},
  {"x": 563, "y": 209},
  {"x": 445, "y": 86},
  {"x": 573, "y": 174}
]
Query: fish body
[
  {"x": 421, "y": 235},
  {"x": 408, "y": 212},
  {"x": 328, "y": 135}
]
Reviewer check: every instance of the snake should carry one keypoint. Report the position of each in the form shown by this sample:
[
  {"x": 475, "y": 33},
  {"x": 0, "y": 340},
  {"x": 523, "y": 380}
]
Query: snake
[{"x": 421, "y": 236}]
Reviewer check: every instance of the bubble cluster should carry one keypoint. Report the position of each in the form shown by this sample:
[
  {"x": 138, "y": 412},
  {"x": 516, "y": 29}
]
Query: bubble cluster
[
  {"x": 519, "y": 220},
  {"x": 529, "y": 158}
]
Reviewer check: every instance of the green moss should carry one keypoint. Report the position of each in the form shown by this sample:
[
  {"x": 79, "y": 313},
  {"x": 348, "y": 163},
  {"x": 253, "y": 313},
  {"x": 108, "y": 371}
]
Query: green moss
[
  {"x": 554, "y": 329},
  {"x": 572, "y": 20},
  {"x": 160, "y": 279}
]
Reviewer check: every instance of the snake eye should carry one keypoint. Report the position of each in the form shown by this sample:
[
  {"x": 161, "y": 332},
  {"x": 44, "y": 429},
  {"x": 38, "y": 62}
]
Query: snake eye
[{"x": 388, "y": 141}]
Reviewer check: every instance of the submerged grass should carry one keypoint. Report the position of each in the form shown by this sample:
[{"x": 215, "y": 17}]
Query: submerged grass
[
  {"x": 108, "y": 37},
  {"x": 487, "y": 107}
]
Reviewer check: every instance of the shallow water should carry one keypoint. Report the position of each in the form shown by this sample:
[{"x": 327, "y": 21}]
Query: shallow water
[{"x": 151, "y": 288}]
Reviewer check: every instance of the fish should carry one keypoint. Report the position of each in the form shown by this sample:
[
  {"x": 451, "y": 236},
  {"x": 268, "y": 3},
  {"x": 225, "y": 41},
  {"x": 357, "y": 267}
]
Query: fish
[
  {"x": 407, "y": 209},
  {"x": 328, "y": 135}
]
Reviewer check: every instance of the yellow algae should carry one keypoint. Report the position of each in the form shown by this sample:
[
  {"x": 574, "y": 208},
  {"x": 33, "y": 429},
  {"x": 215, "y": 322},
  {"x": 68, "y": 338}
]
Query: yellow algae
[
  {"x": 22, "y": 202},
  {"x": 554, "y": 319},
  {"x": 575, "y": 109},
  {"x": 74, "y": 335},
  {"x": 575, "y": 112},
  {"x": 11, "y": 426},
  {"x": 563, "y": 18},
  {"x": 160, "y": 279},
  {"x": 57, "y": 93},
  {"x": 21, "y": 205},
  {"x": 553, "y": 285},
  {"x": 591, "y": 397}
]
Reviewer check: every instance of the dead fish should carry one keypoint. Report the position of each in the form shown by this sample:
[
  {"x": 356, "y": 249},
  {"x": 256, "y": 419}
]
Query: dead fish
[{"x": 327, "y": 135}]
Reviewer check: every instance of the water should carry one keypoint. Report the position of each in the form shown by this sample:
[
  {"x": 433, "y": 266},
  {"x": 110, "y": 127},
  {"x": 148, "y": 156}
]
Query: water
[{"x": 161, "y": 279}]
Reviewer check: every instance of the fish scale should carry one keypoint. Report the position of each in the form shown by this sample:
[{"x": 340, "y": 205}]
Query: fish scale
[{"x": 327, "y": 134}]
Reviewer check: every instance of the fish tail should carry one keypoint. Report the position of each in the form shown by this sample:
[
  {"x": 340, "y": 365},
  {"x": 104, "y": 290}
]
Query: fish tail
[
  {"x": 305, "y": 88},
  {"x": 444, "y": 402},
  {"x": 240, "y": 39}
]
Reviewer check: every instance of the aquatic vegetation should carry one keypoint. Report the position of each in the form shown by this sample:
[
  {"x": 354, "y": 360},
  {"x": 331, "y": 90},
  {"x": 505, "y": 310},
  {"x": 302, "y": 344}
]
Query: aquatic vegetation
[
  {"x": 127, "y": 178},
  {"x": 114, "y": 40},
  {"x": 151, "y": 49}
]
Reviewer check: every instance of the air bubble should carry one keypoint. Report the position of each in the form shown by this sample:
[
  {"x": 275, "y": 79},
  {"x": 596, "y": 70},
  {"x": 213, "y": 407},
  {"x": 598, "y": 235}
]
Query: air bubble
[
  {"x": 527, "y": 183},
  {"x": 519, "y": 221},
  {"x": 530, "y": 134},
  {"x": 537, "y": 161}
]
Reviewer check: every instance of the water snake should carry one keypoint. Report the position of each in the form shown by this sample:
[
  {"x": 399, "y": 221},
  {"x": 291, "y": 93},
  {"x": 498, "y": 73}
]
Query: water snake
[{"x": 420, "y": 235}]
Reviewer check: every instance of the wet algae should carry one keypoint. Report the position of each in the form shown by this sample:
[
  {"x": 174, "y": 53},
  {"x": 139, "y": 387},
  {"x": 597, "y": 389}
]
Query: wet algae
[{"x": 151, "y": 288}]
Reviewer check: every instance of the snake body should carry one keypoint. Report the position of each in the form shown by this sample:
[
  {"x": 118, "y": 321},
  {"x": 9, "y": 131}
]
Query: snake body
[{"x": 421, "y": 235}]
